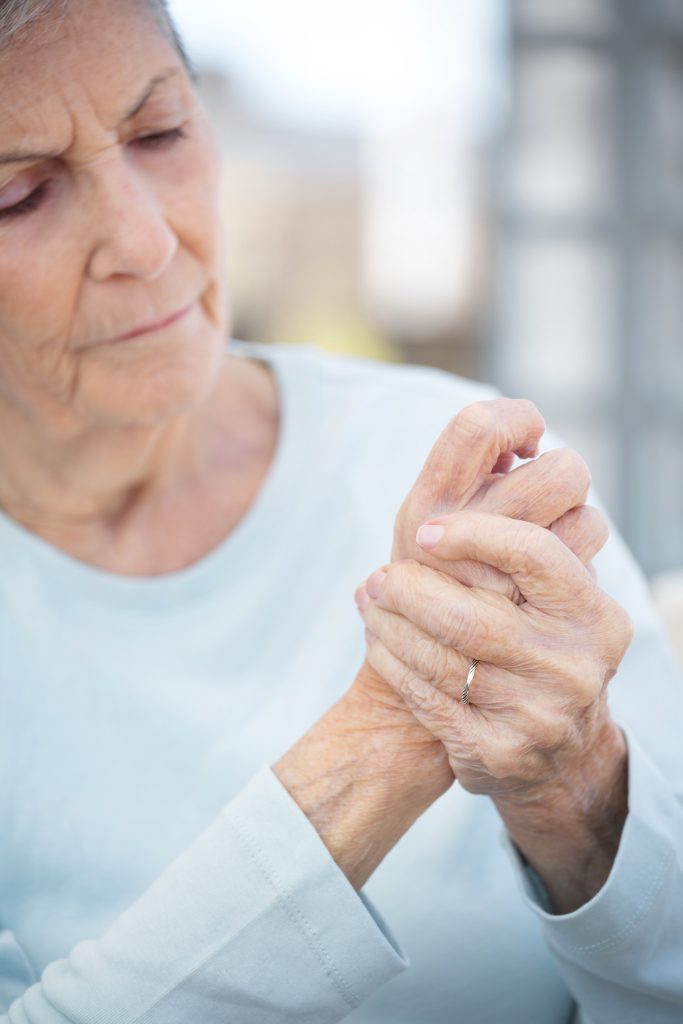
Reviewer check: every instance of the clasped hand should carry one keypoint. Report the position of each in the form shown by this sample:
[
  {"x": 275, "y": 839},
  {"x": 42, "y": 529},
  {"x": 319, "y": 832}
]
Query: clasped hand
[
  {"x": 538, "y": 699},
  {"x": 500, "y": 572}
]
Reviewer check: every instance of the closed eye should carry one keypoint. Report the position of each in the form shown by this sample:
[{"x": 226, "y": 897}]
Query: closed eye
[
  {"x": 155, "y": 141},
  {"x": 27, "y": 205},
  {"x": 161, "y": 140}
]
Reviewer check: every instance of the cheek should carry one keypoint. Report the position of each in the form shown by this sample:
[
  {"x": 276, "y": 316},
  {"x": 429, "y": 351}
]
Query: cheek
[
  {"x": 193, "y": 201},
  {"x": 201, "y": 232},
  {"x": 191, "y": 195},
  {"x": 39, "y": 290},
  {"x": 43, "y": 305}
]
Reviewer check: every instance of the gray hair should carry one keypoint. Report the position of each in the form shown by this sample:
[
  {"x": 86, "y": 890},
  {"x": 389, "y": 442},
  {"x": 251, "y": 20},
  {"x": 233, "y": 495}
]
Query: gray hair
[
  {"x": 15, "y": 14},
  {"x": 18, "y": 14}
]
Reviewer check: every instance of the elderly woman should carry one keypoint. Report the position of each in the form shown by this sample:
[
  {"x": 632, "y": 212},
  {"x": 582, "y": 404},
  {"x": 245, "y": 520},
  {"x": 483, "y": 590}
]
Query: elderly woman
[{"x": 183, "y": 527}]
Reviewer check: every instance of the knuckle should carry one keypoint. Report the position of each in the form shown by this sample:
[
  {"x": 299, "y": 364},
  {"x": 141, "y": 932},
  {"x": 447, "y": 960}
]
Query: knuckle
[
  {"x": 588, "y": 686},
  {"x": 425, "y": 699},
  {"x": 590, "y": 524},
  {"x": 624, "y": 627},
  {"x": 552, "y": 732},
  {"x": 521, "y": 538},
  {"x": 545, "y": 725},
  {"x": 507, "y": 758},
  {"x": 477, "y": 421},
  {"x": 395, "y": 588},
  {"x": 529, "y": 407},
  {"x": 573, "y": 468},
  {"x": 430, "y": 660},
  {"x": 522, "y": 534},
  {"x": 594, "y": 606},
  {"x": 476, "y": 413},
  {"x": 453, "y": 624},
  {"x": 574, "y": 675},
  {"x": 612, "y": 628},
  {"x": 580, "y": 682},
  {"x": 620, "y": 633},
  {"x": 532, "y": 549},
  {"x": 529, "y": 756},
  {"x": 592, "y": 519},
  {"x": 501, "y": 408}
]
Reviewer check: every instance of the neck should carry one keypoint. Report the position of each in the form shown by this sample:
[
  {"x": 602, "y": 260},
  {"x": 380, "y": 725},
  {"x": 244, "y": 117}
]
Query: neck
[
  {"x": 79, "y": 493},
  {"x": 88, "y": 478}
]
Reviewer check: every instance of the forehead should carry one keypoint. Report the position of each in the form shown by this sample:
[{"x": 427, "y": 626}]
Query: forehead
[{"x": 92, "y": 59}]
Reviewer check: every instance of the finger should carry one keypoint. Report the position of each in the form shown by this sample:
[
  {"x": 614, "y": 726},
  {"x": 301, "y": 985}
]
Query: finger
[
  {"x": 493, "y": 689},
  {"x": 475, "y": 574},
  {"x": 540, "y": 491},
  {"x": 440, "y": 714},
  {"x": 583, "y": 530},
  {"x": 505, "y": 463},
  {"x": 471, "y": 446},
  {"x": 549, "y": 576},
  {"x": 432, "y": 661},
  {"x": 479, "y": 623}
]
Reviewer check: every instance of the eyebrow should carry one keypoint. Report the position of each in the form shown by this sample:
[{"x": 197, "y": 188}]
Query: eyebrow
[
  {"x": 23, "y": 157},
  {"x": 163, "y": 76}
]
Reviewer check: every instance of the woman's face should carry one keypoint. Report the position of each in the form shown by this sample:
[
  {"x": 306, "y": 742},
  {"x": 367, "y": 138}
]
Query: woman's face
[{"x": 108, "y": 224}]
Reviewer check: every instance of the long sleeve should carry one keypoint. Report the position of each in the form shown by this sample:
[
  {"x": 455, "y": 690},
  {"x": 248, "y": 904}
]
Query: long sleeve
[
  {"x": 252, "y": 924},
  {"x": 621, "y": 954}
]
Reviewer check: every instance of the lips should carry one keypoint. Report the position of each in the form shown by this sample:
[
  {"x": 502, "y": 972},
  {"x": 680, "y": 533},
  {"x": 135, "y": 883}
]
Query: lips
[{"x": 156, "y": 325}]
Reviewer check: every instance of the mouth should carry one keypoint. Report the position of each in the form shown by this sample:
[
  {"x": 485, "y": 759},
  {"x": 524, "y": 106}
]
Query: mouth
[{"x": 158, "y": 325}]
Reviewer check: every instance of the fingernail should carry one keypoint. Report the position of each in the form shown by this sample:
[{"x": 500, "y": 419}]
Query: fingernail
[
  {"x": 429, "y": 536},
  {"x": 374, "y": 582},
  {"x": 362, "y": 598}
]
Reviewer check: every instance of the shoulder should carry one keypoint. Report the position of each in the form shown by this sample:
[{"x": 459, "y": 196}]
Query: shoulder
[{"x": 416, "y": 395}]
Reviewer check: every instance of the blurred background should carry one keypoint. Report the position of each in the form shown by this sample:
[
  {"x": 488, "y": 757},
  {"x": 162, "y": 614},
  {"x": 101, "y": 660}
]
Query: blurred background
[{"x": 493, "y": 187}]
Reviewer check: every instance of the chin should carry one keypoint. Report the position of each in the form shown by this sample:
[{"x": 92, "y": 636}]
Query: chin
[{"x": 149, "y": 381}]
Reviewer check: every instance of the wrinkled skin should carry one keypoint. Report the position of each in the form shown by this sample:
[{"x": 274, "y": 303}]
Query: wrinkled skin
[
  {"x": 517, "y": 593},
  {"x": 137, "y": 441},
  {"x": 469, "y": 468},
  {"x": 538, "y": 700}
]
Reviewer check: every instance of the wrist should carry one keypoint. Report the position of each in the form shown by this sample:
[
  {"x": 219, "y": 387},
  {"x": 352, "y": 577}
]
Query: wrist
[
  {"x": 363, "y": 774},
  {"x": 569, "y": 832}
]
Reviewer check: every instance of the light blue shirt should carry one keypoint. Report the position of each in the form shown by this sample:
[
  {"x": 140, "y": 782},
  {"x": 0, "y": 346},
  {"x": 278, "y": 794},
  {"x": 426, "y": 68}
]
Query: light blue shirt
[{"x": 152, "y": 867}]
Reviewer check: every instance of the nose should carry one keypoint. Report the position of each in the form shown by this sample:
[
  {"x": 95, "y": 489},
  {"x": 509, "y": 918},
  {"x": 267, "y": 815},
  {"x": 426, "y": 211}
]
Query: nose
[{"x": 132, "y": 235}]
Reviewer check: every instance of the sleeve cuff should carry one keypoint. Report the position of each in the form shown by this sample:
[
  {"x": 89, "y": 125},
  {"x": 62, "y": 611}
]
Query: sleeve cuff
[
  {"x": 353, "y": 946},
  {"x": 638, "y": 881}
]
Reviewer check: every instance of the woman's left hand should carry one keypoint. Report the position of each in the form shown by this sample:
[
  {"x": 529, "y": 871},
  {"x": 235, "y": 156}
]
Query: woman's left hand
[{"x": 537, "y": 735}]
